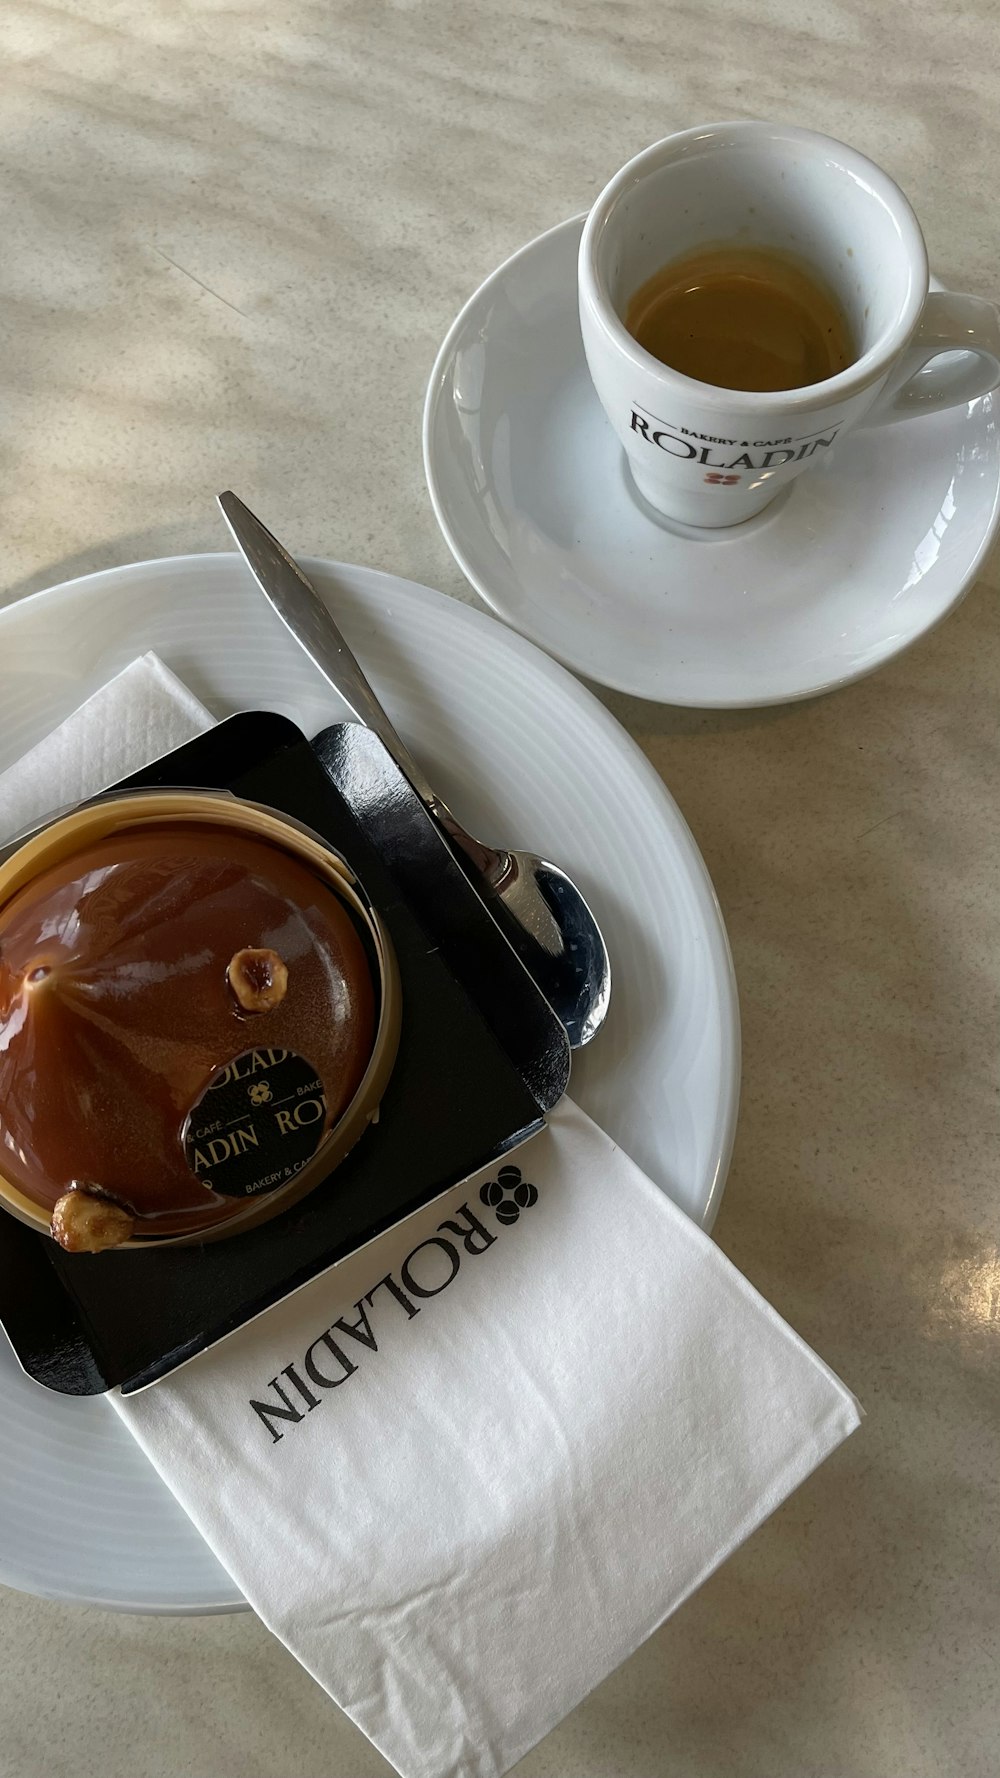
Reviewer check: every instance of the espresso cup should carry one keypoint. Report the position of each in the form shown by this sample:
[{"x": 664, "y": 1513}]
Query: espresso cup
[{"x": 708, "y": 456}]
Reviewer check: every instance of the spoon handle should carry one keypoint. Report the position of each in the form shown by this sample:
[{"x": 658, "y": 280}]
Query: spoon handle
[{"x": 304, "y": 614}]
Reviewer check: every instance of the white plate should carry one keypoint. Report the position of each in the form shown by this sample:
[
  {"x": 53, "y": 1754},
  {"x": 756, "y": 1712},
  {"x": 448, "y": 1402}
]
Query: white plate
[
  {"x": 524, "y": 754},
  {"x": 529, "y": 486}
]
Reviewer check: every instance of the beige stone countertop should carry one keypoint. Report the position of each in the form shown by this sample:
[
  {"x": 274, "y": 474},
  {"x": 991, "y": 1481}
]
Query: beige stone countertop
[{"x": 233, "y": 235}]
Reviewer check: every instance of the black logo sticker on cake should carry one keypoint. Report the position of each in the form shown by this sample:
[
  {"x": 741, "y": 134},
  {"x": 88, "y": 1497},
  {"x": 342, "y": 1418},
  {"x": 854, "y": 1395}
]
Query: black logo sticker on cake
[
  {"x": 260, "y": 1119},
  {"x": 508, "y": 1194}
]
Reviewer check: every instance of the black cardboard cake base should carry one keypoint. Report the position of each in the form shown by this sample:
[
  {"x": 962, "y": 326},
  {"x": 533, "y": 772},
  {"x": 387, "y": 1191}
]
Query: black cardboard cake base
[{"x": 481, "y": 1058}]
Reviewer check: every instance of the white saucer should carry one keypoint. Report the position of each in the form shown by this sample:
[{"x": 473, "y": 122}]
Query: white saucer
[
  {"x": 523, "y": 753},
  {"x": 530, "y": 489}
]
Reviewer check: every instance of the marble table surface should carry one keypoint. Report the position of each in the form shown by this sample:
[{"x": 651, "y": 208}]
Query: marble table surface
[{"x": 233, "y": 235}]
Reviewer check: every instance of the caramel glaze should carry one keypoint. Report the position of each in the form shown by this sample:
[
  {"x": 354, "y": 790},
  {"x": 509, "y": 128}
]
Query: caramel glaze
[{"x": 115, "y": 1009}]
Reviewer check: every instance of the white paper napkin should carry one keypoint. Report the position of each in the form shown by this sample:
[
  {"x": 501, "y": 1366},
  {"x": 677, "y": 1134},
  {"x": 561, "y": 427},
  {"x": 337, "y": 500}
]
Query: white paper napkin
[
  {"x": 465, "y": 1473},
  {"x": 487, "y": 1459},
  {"x": 136, "y": 717}
]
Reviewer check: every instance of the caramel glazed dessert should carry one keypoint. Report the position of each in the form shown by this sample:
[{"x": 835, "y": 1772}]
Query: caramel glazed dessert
[{"x": 130, "y": 976}]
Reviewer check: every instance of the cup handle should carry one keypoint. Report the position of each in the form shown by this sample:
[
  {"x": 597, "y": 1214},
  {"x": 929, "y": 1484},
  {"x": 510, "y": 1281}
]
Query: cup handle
[{"x": 953, "y": 357}]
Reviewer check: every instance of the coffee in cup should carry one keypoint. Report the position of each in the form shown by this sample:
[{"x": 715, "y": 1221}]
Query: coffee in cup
[{"x": 742, "y": 318}]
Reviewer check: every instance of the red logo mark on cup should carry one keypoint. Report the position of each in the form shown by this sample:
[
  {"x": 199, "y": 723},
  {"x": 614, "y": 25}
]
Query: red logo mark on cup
[{"x": 722, "y": 481}]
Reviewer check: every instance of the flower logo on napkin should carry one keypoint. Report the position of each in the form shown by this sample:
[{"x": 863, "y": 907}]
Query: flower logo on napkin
[{"x": 508, "y": 1194}]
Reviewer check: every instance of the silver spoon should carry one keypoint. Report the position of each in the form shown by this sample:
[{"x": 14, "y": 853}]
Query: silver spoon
[{"x": 540, "y": 910}]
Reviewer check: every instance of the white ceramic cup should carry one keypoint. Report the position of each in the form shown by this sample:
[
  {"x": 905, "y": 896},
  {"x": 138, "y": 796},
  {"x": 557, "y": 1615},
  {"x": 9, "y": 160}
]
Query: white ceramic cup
[{"x": 709, "y": 456}]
